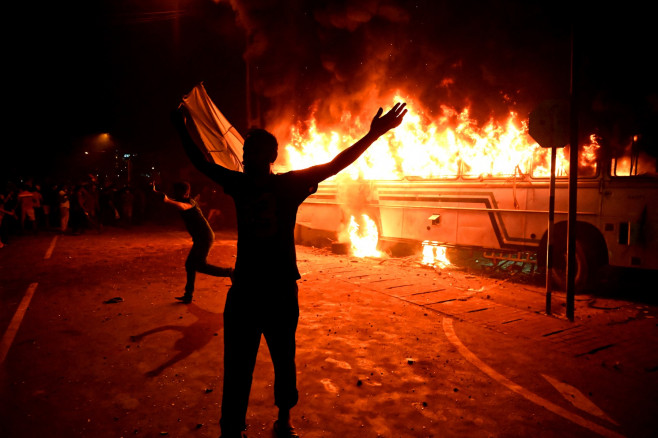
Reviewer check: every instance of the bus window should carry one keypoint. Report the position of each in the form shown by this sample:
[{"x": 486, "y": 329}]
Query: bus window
[
  {"x": 541, "y": 166},
  {"x": 633, "y": 162},
  {"x": 513, "y": 163},
  {"x": 587, "y": 161},
  {"x": 588, "y": 158}
]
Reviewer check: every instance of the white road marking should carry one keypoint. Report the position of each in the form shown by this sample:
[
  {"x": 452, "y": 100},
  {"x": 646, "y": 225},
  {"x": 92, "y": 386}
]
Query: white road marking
[
  {"x": 578, "y": 399},
  {"x": 49, "y": 252},
  {"x": 339, "y": 363},
  {"x": 329, "y": 386},
  {"x": 15, "y": 323},
  {"x": 472, "y": 358}
]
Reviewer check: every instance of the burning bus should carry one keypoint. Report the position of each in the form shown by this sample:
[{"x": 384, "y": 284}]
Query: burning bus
[{"x": 449, "y": 183}]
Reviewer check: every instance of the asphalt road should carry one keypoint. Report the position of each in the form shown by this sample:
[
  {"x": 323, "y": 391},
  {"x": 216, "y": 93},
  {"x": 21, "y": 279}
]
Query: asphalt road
[{"x": 94, "y": 345}]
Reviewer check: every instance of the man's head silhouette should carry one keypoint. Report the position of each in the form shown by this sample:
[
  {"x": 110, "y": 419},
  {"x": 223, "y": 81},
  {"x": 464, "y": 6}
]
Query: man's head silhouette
[
  {"x": 259, "y": 152},
  {"x": 181, "y": 190}
]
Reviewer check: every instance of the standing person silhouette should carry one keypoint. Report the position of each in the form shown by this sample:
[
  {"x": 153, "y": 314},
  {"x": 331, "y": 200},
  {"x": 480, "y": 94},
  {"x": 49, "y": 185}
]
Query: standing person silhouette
[
  {"x": 263, "y": 299},
  {"x": 202, "y": 238}
]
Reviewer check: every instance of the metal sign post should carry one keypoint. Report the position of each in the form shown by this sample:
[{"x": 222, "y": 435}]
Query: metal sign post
[
  {"x": 550, "y": 237},
  {"x": 549, "y": 126},
  {"x": 573, "y": 183}
]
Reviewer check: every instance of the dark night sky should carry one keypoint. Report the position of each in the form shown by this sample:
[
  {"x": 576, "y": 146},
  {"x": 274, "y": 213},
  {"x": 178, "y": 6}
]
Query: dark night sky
[
  {"x": 112, "y": 66},
  {"x": 83, "y": 68}
]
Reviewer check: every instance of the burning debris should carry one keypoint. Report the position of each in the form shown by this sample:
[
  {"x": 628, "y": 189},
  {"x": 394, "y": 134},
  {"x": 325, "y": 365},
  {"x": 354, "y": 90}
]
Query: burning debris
[
  {"x": 364, "y": 237},
  {"x": 434, "y": 255}
]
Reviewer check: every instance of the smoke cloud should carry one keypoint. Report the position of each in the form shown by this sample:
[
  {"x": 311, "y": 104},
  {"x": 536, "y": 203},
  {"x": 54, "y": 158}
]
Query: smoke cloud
[{"x": 330, "y": 57}]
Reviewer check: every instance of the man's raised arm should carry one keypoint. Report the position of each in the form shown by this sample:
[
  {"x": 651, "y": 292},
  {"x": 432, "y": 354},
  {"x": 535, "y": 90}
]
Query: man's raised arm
[
  {"x": 214, "y": 171},
  {"x": 379, "y": 126}
]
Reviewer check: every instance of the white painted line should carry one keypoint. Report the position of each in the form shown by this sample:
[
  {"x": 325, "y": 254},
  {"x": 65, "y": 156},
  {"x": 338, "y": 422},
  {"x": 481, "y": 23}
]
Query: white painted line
[
  {"x": 578, "y": 399},
  {"x": 472, "y": 358},
  {"x": 49, "y": 252},
  {"x": 15, "y": 323}
]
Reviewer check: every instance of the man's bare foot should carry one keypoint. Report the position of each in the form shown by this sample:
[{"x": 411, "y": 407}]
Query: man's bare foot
[{"x": 284, "y": 429}]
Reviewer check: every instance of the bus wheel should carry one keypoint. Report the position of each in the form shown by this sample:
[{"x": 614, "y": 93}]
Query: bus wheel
[{"x": 586, "y": 267}]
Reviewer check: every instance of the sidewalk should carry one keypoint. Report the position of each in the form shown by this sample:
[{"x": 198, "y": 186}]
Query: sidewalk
[{"x": 615, "y": 332}]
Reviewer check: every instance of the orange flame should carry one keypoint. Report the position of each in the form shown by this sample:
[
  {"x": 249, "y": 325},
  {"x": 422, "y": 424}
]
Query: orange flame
[
  {"x": 443, "y": 147},
  {"x": 434, "y": 255},
  {"x": 364, "y": 237}
]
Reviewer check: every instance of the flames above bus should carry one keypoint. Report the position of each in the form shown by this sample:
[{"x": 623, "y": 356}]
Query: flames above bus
[
  {"x": 424, "y": 146},
  {"x": 427, "y": 147}
]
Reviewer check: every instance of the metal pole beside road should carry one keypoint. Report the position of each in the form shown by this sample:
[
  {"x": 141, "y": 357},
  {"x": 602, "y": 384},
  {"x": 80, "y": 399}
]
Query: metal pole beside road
[
  {"x": 550, "y": 236},
  {"x": 573, "y": 180}
]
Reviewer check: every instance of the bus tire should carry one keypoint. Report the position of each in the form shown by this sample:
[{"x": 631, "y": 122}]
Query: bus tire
[
  {"x": 591, "y": 256},
  {"x": 584, "y": 266}
]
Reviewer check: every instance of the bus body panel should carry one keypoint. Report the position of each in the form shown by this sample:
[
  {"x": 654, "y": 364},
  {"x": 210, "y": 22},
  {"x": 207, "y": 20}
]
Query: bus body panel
[
  {"x": 506, "y": 214},
  {"x": 629, "y": 220}
]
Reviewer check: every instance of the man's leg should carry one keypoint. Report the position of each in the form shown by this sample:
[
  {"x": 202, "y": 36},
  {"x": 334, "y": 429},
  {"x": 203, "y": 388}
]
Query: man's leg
[
  {"x": 196, "y": 262},
  {"x": 242, "y": 333},
  {"x": 64, "y": 219},
  {"x": 280, "y": 336},
  {"x": 190, "y": 274},
  {"x": 202, "y": 249},
  {"x": 215, "y": 271},
  {"x": 191, "y": 265}
]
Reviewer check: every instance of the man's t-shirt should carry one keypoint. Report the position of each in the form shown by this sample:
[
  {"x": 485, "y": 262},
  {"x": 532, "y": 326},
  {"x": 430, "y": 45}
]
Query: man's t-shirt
[
  {"x": 266, "y": 211},
  {"x": 196, "y": 224}
]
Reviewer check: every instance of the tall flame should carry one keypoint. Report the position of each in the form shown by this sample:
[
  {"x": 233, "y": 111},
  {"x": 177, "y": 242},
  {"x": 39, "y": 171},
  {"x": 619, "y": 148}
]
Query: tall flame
[{"x": 429, "y": 148}]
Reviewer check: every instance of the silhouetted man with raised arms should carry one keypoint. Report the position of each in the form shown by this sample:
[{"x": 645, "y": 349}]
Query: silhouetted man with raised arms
[{"x": 263, "y": 297}]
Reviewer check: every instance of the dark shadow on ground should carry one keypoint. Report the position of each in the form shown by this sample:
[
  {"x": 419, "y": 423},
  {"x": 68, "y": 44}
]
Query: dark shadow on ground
[
  {"x": 194, "y": 336},
  {"x": 630, "y": 284}
]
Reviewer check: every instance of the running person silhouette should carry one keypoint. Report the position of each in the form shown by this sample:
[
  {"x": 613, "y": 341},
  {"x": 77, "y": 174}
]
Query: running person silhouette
[{"x": 202, "y": 238}]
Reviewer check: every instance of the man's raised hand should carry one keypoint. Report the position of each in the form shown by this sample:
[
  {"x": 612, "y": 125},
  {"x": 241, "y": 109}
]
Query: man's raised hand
[{"x": 382, "y": 124}]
